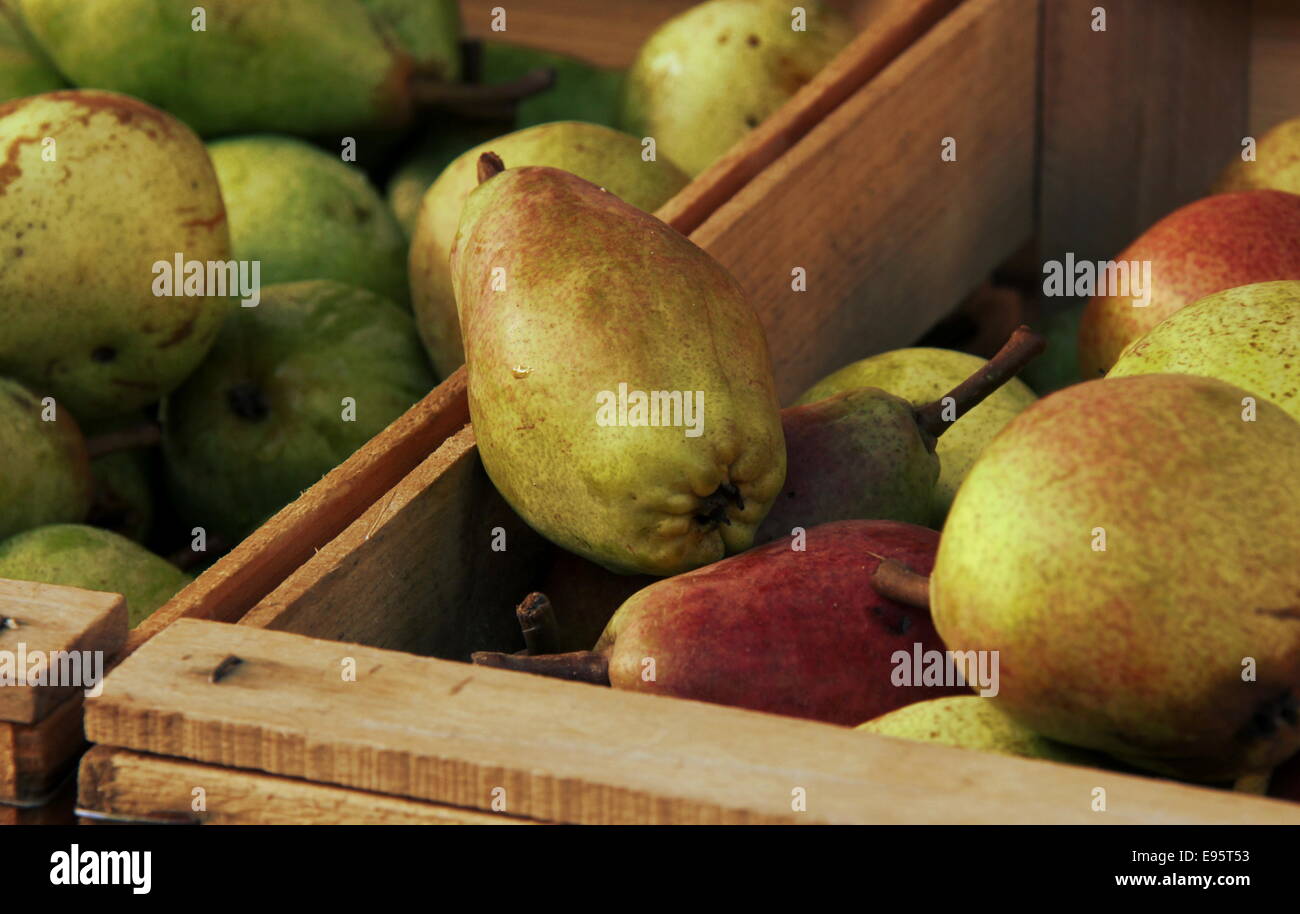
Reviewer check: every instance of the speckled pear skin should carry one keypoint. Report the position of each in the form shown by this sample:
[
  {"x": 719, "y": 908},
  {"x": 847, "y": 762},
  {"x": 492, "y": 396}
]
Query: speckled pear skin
[
  {"x": 1276, "y": 165},
  {"x": 44, "y": 469},
  {"x": 795, "y": 632},
  {"x": 129, "y": 186},
  {"x": 972, "y": 722},
  {"x": 1137, "y": 651},
  {"x": 922, "y": 375},
  {"x": 598, "y": 293},
  {"x": 858, "y": 454},
  {"x": 1213, "y": 244},
  {"x": 1248, "y": 336}
]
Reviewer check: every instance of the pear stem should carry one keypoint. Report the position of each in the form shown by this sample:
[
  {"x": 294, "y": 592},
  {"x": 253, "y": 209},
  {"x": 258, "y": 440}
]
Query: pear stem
[
  {"x": 537, "y": 622},
  {"x": 1022, "y": 348},
  {"x": 489, "y": 166},
  {"x": 579, "y": 666},
  {"x": 478, "y": 102},
  {"x": 147, "y": 435},
  {"x": 895, "y": 581}
]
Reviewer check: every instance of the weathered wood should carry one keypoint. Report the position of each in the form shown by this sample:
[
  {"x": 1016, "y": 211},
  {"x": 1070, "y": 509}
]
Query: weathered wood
[
  {"x": 1274, "y": 63},
  {"x": 123, "y": 785},
  {"x": 35, "y": 757},
  {"x": 558, "y": 751}
]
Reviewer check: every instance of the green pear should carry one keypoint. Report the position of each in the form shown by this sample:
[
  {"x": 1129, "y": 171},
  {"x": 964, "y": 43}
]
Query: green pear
[
  {"x": 46, "y": 471},
  {"x": 1248, "y": 336},
  {"x": 1276, "y": 165},
  {"x": 619, "y": 382},
  {"x": 123, "y": 498},
  {"x": 74, "y": 555},
  {"x": 304, "y": 214},
  {"x": 241, "y": 66},
  {"x": 1130, "y": 547},
  {"x": 24, "y": 69},
  {"x": 581, "y": 92},
  {"x": 711, "y": 74},
  {"x": 291, "y": 389},
  {"x": 921, "y": 375},
  {"x": 603, "y": 156},
  {"x": 436, "y": 149},
  {"x": 972, "y": 722},
  {"x": 1059, "y": 366},
  {"x": 100, "y": 191}
]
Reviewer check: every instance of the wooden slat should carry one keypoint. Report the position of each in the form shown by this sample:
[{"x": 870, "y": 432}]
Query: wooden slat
[
  {"x": 566, "y": 752},
  {"x": 1274, "y": 64},
  {"x": 135, "y": 786},
  {"x": 43, "y": 619},
  {"x": 1137, "y": 120},
  {"x": 58, "y": 811},
  {"x": 35, "y": 757},
  {"x": 891, "y": 236},
  {"x": 418, "y": 572},
  {"x": 260, "y": 563}
]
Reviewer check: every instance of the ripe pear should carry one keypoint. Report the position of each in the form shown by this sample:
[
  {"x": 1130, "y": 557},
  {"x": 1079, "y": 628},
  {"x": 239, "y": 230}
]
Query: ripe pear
[
  {"x": 291, "y": 389},
  {"x": 78, "y": 556},
  {"x": 619, "y": 382},
  {"x": 241, "y": 66},
  {"x": 1207, "y": 246},
  {"x": 1131, "y": 547},
  {"x": 97, "y": 191},
  {"x": 605, "y": 157},
  {"x": 1276, "y": 165},
  {"x": 1248, "y": 336},
  {"x": 24, "y": 69},
  {"x": 972, "y": 722},
  {"x": 711, "y": 74},
  {"x": 921, "y": 375},
  {"x": 581, "y": 91},
  {"x": 46, "y": 470},
  {"x": 305, "y": 214},
  {"x": 795, "y": 631}
]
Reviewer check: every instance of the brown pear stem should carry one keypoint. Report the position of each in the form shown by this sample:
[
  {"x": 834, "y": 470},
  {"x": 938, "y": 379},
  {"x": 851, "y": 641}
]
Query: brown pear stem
[
  {"x": 479, "y": 102},
  {"x": 147, "y": 435},
  {"x": 895, "y": 581},
  {"x": 1018, "y": 351},
  {"x": 579, "y": 666},
  {"x": 537, "y": 622},
  {"x": 489, "y": 166}
]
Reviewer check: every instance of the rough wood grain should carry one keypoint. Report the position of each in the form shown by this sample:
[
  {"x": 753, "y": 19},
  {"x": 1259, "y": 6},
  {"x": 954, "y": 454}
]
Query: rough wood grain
[
  {"x": 891, "y": 237},
  {"x": 35, "y": 757},
  {"x": 134, "y": 785},
  {"x": 420, "y": 571},
  {"x": 58, "y": 811},
  {"x": 450, "y": 733}
]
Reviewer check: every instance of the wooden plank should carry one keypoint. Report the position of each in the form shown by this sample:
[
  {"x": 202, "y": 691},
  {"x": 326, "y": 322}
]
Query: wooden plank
[
  {"x": 436, "y": 567},
  {"x": 120, "y": 784},
  {"x": 35, "y": 757},
  {"x": 1274, "y": 63},
  {"x": 1137, "y": 120},
  {"x": 40, "y": 620},
  {"x": 58, "y": 811},
  {"x": 260, "y": 563},
  {"x": 566, "y": 752},
  {"x": 890, "y": 236}
]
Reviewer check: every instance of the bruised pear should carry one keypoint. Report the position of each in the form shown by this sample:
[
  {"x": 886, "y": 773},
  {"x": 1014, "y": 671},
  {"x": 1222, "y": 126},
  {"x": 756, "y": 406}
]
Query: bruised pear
[{"x": 619, "y": 382}]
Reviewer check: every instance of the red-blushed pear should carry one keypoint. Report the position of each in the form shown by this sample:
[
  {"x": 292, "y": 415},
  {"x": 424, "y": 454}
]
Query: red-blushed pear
[
  {"x": 782, "y": 629},
  {"x": 1131, "y": 548},
  {"x": 1276, "y": 165},
  {"x": 1212, "y": 244}
]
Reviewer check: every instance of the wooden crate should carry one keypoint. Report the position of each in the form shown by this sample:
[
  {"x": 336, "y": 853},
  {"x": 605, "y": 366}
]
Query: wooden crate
[{"x": 391, "y": 558}]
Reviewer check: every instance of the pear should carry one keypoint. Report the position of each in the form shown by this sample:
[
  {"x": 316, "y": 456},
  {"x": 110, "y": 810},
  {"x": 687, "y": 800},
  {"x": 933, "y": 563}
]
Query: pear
[
  {"x": 972, "y": 722},
  {"x": 1059, "y": 366},
  {"x": 305, "y": 214},
  {"x": 603, "y": 156},
  {"x": 1213, "y": 244},
  {"x": 788, "y": 631},
  {"x": 73, "y": 555},
  {"x": 291, "y": 389},
  {"x": 24, "y": 69},
  {"x": 1276, "y": 165},
  {"x": 1248, "y": 336},
  {"x": 437, "y": 148},
  {"x": 711, "y": 74},
  {"x": 619, "y": 382},
  {"x": 1131, "y": 548},
  {"x": 123, "y": 463},
  {"x": 581, "y": 91},
  {"x": 99, "y": 190},
  {"x": 46, "y": 477},
  {"x": 241, "y": 66},
  {"x": 921, "y": 375}
]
